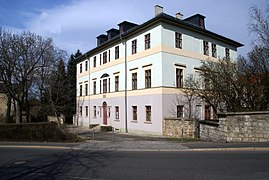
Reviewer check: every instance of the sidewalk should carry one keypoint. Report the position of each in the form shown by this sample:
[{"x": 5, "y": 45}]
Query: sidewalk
[{"x": 132, "y": 142}]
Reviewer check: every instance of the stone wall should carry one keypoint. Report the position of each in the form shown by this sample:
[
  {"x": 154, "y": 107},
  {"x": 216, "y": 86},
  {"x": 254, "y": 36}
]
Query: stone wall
[
  {"x": 173, "y": 127},
  {"x": 237, "y": 127}
]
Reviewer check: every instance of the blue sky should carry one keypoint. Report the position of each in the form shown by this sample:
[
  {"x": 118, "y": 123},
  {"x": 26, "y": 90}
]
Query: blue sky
[{"x": 75, "y": 24}]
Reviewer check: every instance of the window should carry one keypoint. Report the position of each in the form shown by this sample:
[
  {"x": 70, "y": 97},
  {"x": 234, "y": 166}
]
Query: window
[
  {"x": 148, "y": 113},
  {"x": 178, "y": 40},
  {"x": 179, "y": 78},
  {"x": 206, "y": 48},
  {"x": 105, "y": 86},
  {"x": 207, "y": 112},
  {"x": 104, "y": 57},
  {"x": 108, "y": 84},
  {"x": 94, "y": 111},
  {"x": 116, "y": 83},
  {"x": 100, "y": 86},
  {"x": 135, "y": 113},
  {"x": 227, "y": 53},
  {"x": 214, "y": 50},
  {"x": 80, "y": 110},
  {"x": 80, "y": 68},
  {"x": 179, "y": 111},
  {"x": 94, "y": 61},
  {"x": 108, "y": 55},
  {"x": 117, "y": 111},
  {"x": 100, "y": 59},
  {"x": 134, "y": 81},
  {"x": 94, "y": 87},
  {"x": 147, "y": 41},
  {"x": 134, "y": 46},
  {"x": 86, "y": 110},
  {"x": 86, "y": 89},
  {"x": 117, "y": 52},
  {"x": 207, "y": 84},
  {"x": 80, "y": 90},
  {"x": 86, "y": 65},
  {"x": 148, "y": 78}
]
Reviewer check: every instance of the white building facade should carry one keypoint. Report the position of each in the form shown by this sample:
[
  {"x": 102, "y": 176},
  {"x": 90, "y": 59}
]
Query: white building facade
[{"x": 133, "y": 79}]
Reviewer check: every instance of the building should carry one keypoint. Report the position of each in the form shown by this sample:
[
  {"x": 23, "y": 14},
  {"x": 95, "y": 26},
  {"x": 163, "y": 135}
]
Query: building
[{"x": 133, "y": 78}]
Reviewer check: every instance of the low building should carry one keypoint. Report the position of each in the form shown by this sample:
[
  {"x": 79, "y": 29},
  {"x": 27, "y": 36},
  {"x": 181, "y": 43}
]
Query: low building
[{"x": 133, "y": 79}]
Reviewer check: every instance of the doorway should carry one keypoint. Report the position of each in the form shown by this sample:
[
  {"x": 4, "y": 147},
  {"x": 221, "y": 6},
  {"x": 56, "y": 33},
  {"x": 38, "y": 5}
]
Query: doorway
[{"x": 104, "y": 113}]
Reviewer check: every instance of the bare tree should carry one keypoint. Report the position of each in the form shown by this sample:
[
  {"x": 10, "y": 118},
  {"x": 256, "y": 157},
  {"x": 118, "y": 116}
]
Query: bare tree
[{"x": 22, "y": 57}]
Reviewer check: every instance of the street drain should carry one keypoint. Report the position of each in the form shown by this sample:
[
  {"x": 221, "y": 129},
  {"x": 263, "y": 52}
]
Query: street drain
[{"x": 19, "y": 162}]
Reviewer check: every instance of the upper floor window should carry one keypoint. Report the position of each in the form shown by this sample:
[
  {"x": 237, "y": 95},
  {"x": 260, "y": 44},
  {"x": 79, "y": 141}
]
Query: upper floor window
[
  {"x": 94, "y": 61},
  {"x": 94, "y": 87},
  {"x": 80, "y": 68},
  {"x": 86, "y": 89},
  {"x": 86, "y": 65},
  {"x": 80, "y": 90},
  {"x": 105, "y": 86},
  {"x": 116, "y": 83},
  {"x": 214, "y": 50},
  {"x": 179, "y": 111},
  {"x": 147, "y": 41},
  {"x": 104, "y": 57},
  {"x": 134, "y": 81},
  {"x": 147, "y": 78},
  {"x": 100, "y": 59},
  {"x": 117, "y": 52},
  {"x": 178, "y": 40},
  {"x": 134, "y": 46},
  {"x": 179, "y": 77},
  {"x": 206, "y": 48},
  {"x": 148, "y": 113},
  {"x": 108, "y": 55},
  {"x": 227, "y": 53}
]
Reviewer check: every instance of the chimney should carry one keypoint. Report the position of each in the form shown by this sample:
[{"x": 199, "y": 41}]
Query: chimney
[
  {"x": 179, "y": 16},
  {"x": 158, "y": 10}
]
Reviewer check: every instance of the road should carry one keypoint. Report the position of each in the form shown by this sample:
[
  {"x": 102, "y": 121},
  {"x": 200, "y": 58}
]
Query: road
[{"x": 67, "y": 163}]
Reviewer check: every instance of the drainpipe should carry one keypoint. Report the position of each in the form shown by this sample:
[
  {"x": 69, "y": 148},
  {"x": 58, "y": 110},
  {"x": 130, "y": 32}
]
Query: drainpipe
[{"x": 125, "y": 62}]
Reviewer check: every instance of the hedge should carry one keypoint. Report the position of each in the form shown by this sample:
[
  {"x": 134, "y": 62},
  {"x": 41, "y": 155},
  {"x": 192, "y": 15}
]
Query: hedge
[{"x": 35, "y": 132}]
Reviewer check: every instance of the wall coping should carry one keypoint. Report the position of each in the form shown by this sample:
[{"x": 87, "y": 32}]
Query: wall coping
[
  {"x": 178, "y": 119},
  {"x": 243, "y": 113}
]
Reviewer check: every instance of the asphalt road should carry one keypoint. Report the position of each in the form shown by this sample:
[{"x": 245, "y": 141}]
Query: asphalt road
[{"x": 60, "y": 163}]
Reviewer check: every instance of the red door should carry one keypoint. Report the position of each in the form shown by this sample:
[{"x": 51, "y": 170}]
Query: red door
[{"x": 104, "y": 113}]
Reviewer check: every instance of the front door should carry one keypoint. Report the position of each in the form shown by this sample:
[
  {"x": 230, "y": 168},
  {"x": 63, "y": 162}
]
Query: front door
[{"x": 104, "y": 113}]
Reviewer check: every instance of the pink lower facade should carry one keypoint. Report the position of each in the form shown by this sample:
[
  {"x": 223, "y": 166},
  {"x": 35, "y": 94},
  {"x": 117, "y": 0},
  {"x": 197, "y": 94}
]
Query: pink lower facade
[{"x": 111, "y": 111}]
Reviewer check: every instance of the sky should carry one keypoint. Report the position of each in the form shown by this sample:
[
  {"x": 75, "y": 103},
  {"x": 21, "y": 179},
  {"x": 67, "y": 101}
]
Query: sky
[{"x": 75, "y": 24}]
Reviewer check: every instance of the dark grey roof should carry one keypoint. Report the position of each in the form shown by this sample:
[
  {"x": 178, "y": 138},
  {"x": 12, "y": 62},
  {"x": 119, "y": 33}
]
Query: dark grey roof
[{"x": 159, "y": 18}]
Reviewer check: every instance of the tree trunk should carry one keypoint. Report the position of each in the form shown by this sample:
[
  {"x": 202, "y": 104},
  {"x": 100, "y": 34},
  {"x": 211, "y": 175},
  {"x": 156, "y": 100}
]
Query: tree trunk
[
  {"x": 8, "y": 108},
  {"x": 18, "y": 113}
]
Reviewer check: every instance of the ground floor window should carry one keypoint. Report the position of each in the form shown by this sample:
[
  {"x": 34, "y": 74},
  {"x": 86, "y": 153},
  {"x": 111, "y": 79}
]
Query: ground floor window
[
  {"x": 117, "y": 111},
  {"x": 148, "y": 113},
  {"x": 180, "y": 111},
  {"x": 207, "y": 112},
  {"x": 86, "y": 110},
  {"x": 80, "y": 110},
  {"x": 94, "y": 111},
  {"x": 135, "y": 113}
]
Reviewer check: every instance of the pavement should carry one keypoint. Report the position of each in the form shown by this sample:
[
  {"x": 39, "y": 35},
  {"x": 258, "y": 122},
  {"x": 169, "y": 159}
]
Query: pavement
[{"x": 111, "y": 141}]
